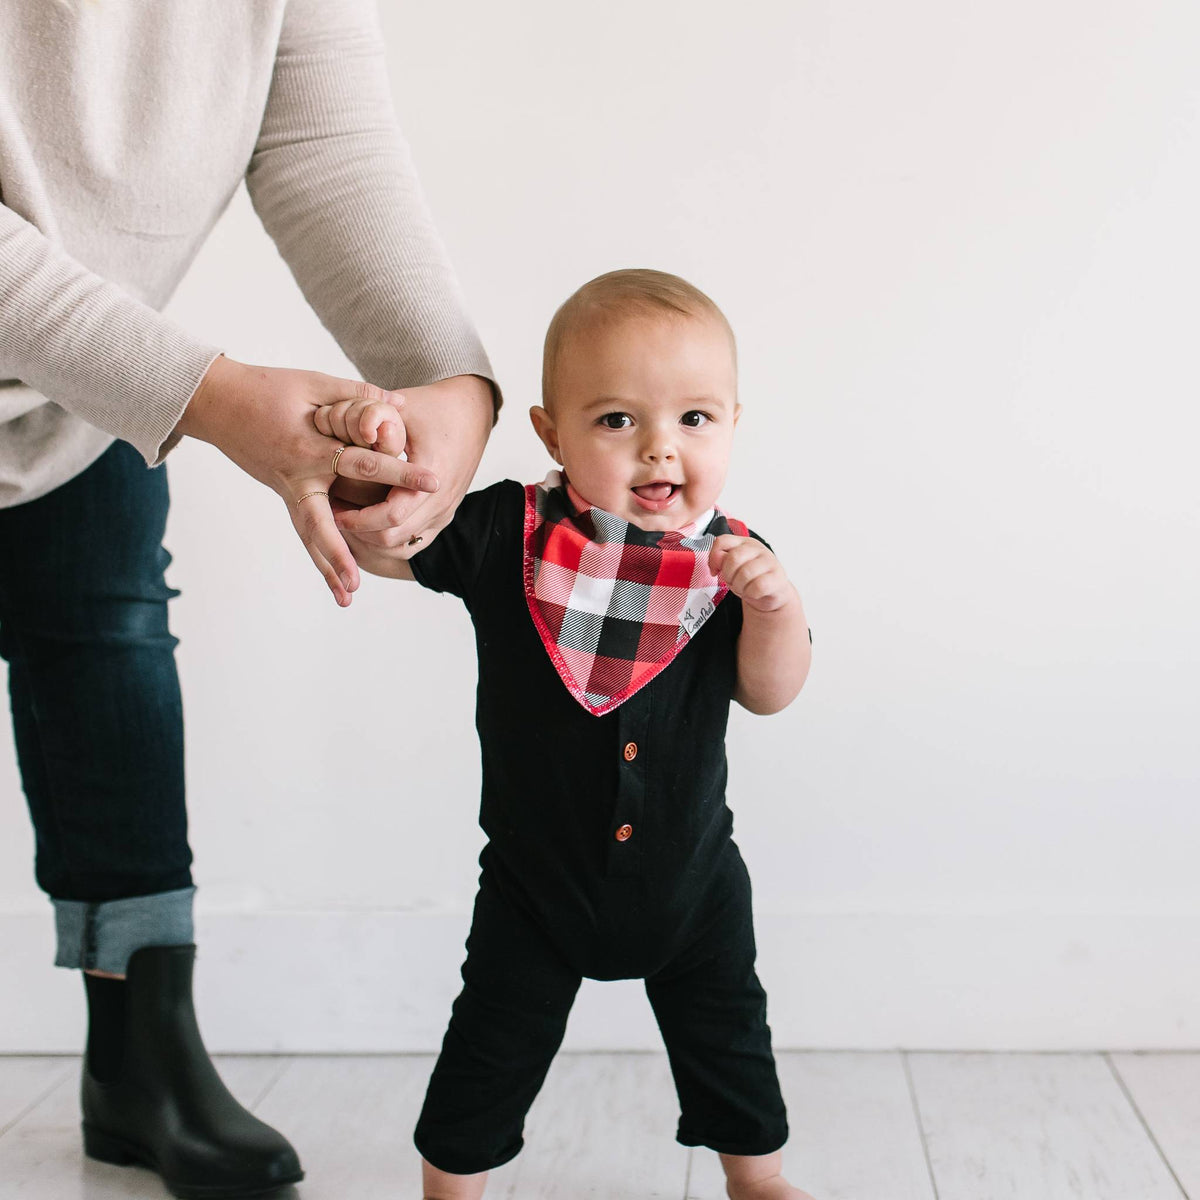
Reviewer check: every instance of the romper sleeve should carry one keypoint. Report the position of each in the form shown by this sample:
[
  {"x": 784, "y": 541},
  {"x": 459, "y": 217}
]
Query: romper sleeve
[
  {"x": 334, "y": 184},
  {"x": 459, "y": 558}
]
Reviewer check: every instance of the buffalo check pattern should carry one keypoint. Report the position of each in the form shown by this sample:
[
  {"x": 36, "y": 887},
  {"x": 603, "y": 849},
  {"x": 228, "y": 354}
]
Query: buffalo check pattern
[{"x": 614, "y": 604}]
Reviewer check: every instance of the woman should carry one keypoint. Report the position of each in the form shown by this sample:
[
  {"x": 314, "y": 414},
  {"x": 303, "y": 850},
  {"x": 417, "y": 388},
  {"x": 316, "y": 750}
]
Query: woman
[{"x": 124, "y": 131}]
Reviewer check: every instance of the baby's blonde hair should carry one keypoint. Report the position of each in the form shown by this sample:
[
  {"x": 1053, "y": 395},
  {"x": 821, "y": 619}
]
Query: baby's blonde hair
[{"x": 616, "y": 296}]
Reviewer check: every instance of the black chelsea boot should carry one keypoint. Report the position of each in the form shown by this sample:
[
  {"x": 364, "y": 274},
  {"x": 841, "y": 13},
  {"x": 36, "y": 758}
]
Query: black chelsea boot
[{"x": 152, "y": 1096}]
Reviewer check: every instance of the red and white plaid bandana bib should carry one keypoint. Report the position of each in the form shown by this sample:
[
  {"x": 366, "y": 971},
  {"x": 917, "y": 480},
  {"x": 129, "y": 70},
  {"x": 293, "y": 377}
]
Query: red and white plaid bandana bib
[{"x": 613, "y": 603}]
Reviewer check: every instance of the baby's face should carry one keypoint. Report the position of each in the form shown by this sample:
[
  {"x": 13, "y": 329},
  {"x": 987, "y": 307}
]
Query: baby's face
[{"x": 644, "y": 411}]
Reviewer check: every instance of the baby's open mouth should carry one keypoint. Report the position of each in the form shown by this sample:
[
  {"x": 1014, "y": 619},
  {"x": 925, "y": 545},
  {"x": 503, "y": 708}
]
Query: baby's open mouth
[{"x": 657, "y": 491}]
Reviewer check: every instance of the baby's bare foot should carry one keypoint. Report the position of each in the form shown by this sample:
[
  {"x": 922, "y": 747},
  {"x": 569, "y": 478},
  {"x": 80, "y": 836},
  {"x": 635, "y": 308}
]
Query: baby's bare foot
[
  {"x": 775, "y": 1188},
  {"x": 758, "y": 1177}
]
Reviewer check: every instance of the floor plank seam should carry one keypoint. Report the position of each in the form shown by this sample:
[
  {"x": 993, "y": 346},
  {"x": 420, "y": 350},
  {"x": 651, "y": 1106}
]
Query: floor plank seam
[
  {"x": 1133, "y": 1104},
  {"x": 34, "y": 1103},
  {"x": 916, "y": 1107},
  {"x": 283, "y": 1068}
]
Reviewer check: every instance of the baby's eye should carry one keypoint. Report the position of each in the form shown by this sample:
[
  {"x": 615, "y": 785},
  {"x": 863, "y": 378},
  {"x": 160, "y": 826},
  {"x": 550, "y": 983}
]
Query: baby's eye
[
  {"x": 694, "y": 419},
  {"x": 616, "y": 420}
]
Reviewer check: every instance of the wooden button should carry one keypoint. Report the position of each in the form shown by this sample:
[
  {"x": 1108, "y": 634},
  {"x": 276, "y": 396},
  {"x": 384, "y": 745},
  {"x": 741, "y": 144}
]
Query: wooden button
[
  {"x": 630, "y": 751},
  {"x": 624, "y": 833}
]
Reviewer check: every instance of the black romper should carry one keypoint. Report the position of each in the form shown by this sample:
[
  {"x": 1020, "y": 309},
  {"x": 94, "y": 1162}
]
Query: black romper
[{"x": 609, "y": 856}]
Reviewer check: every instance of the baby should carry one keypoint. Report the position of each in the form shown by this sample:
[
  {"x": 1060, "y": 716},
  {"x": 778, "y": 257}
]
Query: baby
[{"x": 617, "y": 611}]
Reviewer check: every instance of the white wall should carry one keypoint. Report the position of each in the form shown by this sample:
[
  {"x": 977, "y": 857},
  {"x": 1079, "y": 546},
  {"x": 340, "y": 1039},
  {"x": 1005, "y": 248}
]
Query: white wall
[{"x": 958, "y": 243}]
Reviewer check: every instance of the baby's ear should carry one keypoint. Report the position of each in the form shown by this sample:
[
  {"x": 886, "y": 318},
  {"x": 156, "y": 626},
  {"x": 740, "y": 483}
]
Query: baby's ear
[{"x": 543, "y": 426}]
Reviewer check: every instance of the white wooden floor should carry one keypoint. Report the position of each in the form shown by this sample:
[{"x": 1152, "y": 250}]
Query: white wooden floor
[{"x": 865, "y": 1126}]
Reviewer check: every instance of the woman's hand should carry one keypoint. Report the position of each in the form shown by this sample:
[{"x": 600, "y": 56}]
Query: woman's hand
[{"x": 263, "y": 419}]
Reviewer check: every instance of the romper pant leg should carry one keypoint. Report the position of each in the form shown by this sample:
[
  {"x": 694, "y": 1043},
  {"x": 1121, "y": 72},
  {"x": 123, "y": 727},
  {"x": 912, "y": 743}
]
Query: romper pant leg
[
  {"x": 712, "y": 1011},
  {"x": 96, "y": 709},
  {"x": 505, "y": 1028}
]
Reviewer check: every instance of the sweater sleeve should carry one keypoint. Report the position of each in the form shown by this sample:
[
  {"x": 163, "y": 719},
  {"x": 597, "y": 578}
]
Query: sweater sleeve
[
  {"x": 90, "y": 346},
  {"x": 334, "y": 185}
]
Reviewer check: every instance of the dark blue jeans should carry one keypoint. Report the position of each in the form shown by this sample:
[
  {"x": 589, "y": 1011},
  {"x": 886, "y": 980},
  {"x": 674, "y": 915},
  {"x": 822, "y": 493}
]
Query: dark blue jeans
[{"x": 96, "y": 708}]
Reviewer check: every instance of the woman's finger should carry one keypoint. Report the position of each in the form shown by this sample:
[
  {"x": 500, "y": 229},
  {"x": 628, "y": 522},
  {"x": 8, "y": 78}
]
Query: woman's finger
[
  {"x": 408, "y": 531},
  {"x": 312, "y": 518},
  {"x": 399, "y": 512},
  {"x": 359, "y": 389},
  {"x": 373, "y": 467}
]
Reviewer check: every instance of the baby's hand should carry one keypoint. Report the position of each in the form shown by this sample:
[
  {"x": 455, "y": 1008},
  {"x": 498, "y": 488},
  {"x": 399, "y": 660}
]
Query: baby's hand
[
  {"x": 751, "y": 571},
  {"x": 376, "y": 424}
]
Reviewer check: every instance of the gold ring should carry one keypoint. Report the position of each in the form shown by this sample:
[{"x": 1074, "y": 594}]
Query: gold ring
[
  {"x": 307, "y": 494},
  {"x": 415, "y": 540},
  {"x": 336, "y": 455}
]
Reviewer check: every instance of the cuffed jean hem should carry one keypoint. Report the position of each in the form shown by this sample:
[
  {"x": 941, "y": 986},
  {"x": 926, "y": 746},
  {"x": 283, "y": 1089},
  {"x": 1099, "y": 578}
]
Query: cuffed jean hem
[{"x": 101, "y": 937}]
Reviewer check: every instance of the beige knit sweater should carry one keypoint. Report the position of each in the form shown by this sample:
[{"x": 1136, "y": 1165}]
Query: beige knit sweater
[{"x": 125, "y": 128}]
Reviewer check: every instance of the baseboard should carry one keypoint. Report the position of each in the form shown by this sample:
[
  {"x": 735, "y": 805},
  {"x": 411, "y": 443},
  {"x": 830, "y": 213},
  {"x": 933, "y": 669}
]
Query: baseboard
[{"x": 360, "y": 982}]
